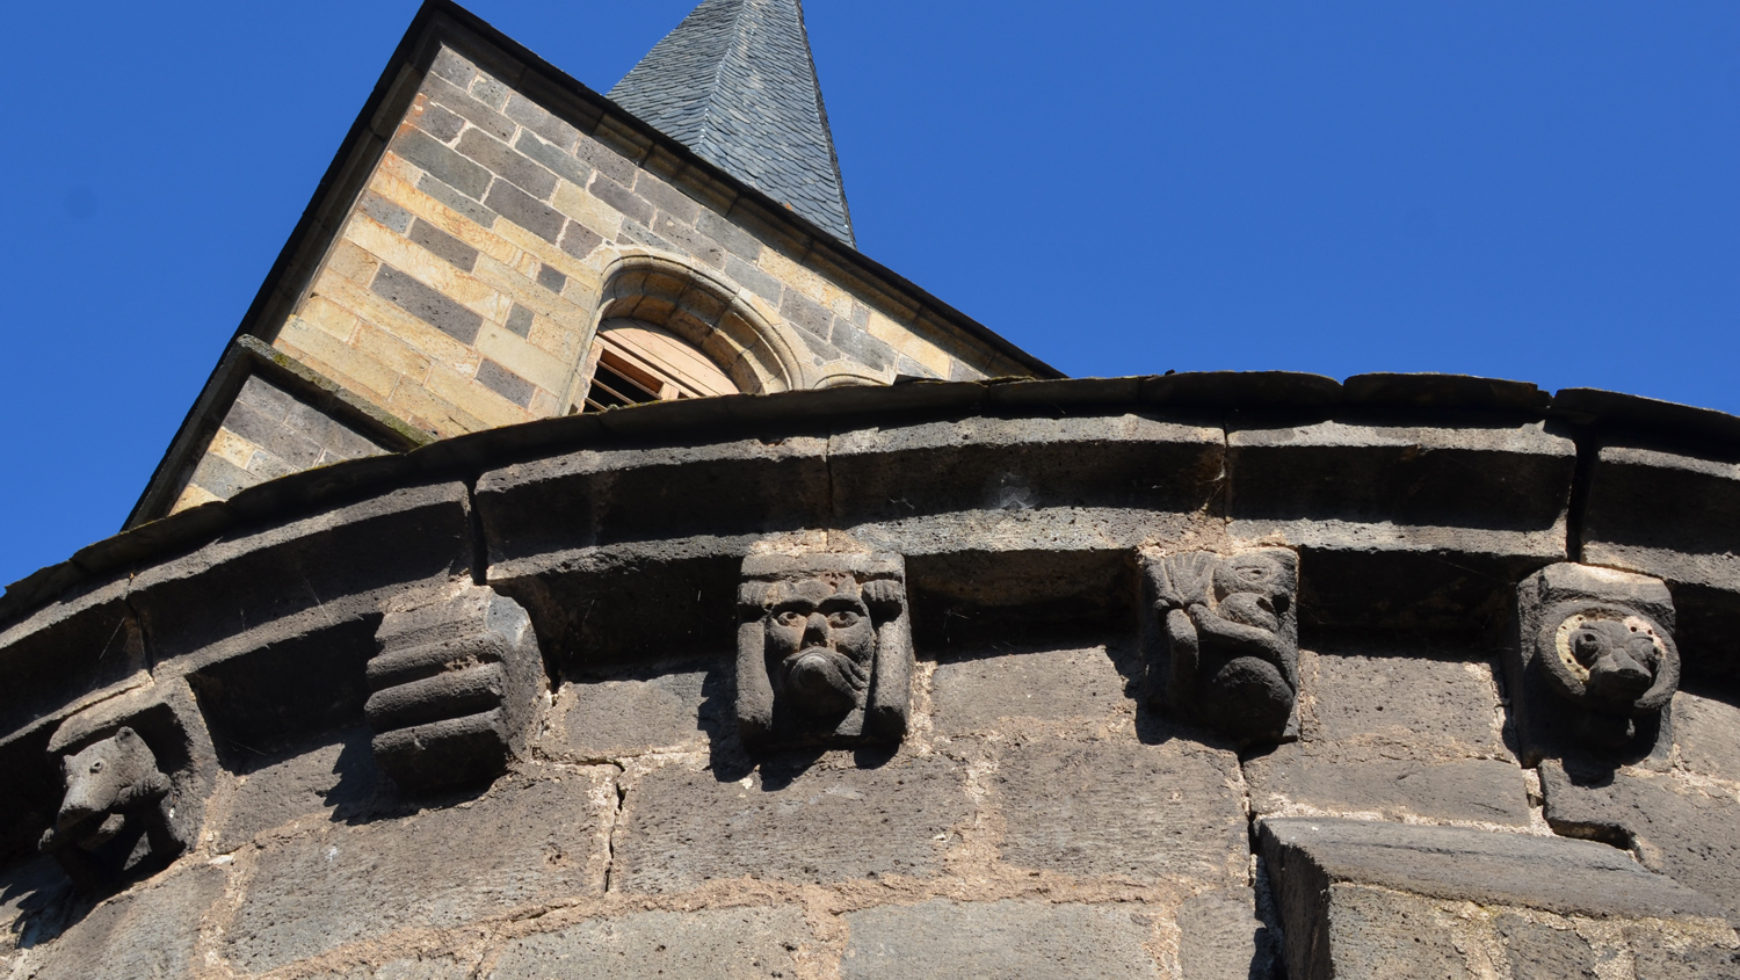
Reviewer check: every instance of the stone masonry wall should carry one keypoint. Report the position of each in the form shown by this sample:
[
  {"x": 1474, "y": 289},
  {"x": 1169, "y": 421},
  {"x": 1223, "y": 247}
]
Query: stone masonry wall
[
  {"x": 268, "y": 433},
  {"x": 1043, "y": 814}
]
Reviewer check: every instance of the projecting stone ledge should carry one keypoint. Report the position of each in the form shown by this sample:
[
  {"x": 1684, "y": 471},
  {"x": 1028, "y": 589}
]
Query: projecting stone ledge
[{"x": 1361, "y": 898}]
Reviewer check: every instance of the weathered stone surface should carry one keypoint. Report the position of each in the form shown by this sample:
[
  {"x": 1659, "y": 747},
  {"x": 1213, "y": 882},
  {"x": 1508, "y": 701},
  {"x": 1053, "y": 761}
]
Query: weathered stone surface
[
  {"x": 1304, "y": 855},
  {"x": 1678, "y": 829},
  {"x": 68, "y": 652},
  {"x": 1403, "y": 525},
  {"x": 438, "y": 968},
  {"x": 1435, "y": 705},
  {"x": 152, "y": 931},
  {"x": 1659, "y": 956},
  {"x": 1631, "y": 487},
  {"x": 1536, "y": 949},
  {"x": 1221, "y": 640},
  {"x": 522, "y": 845},
  {"x": 304, "y": 788},
  {"x": 1592, "y": 665},
  {"x": 455, "y": 688},
  {"x": 681, "y": 828},
  {"x": 659, "y": 708},
  {"x": 1222, "y": 938},
  {"x": 1473, "y": 790},
  {"x": 33, "y": 903},
  {"x": 745, "y": 942},
  {"x": 1026, "y": 939},
  {"x": 1372, "y": 932},
  {"x": 254, "y": 588},
  {"x": 984, "y": 691},
  {"x": 1143, "y": 813},
  {"x": 1708, "y": 733},
  {"x": 824, "y": 649}
]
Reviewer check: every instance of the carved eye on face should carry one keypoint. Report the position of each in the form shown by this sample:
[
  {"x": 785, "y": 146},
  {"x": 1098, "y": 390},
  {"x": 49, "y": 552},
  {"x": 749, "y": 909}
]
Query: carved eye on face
[
  {"x": 96, "y": 767},
  {"x": 790, "y": 618},
  {"x": 843, "y": 618},
  {"x": 1586, "y": 645}
]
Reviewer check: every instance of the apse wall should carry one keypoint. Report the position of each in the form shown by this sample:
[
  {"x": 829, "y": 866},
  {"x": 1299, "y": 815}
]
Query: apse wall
[{"x": 1186, "y": 676}]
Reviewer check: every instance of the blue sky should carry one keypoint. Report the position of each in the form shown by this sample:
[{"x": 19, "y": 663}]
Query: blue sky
[{"x": 1543, "y": 191}]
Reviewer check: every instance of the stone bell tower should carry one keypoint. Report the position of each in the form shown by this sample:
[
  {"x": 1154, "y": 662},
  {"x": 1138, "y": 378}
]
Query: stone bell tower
[{"x": 497, "y": 244}]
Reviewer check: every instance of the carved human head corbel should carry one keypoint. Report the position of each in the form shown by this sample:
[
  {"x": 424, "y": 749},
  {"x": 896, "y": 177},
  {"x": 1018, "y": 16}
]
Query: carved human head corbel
[
  {"x": 1595, "y": 662},
  {"x": 824, "y": 649},
  {"x": 1222, "y": 639}
]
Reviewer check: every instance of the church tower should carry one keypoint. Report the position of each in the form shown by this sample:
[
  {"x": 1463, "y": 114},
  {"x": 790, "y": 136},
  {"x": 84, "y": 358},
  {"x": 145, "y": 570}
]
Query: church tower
[{"x": 496, "y": 244}]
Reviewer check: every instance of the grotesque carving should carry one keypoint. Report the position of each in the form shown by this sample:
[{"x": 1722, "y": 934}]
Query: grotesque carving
[
  {"x": 117, "y": 817},
  {"x": 454, "y": 687},
  {"x": 1594, "y": 658},
  {"x": 824, "y": 649},
  {"x": 1222, "y": 636}
]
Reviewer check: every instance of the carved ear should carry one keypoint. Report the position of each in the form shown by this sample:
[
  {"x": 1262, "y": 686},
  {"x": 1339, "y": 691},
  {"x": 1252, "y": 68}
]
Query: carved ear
[
  {"x": 126, "y": 734},
  {"x": 885, "y": 597}
]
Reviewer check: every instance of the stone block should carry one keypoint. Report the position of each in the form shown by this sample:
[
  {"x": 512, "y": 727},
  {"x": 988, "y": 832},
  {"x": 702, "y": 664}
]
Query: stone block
[
  {"x": 457, "y": 99},
  {"x": 987, "y": 691},
  {"x": 558, "y": 160},
  {"x": 1536, "y": 949},
  {"x": 632, "y": 206},
  {"x": 1404, "y": 526},
  {"x": 505, "y": 383},
  {"x": 1708, "y": 733},
  {"x": 1592, "y": 665},
  {"x": 506, "y": 163},
  {"x": 656, "y": 707},
  {"x": 524, "y": 845},
  {"x": 256, "y": 587},
  {"x": 1358, "y": 898},
  {"x": 442, "y": 163},
  {"x": 1484, "y": 791},
  {"x": 1144, "y": 813},
  {"x": 1018, "y": 938},
  {"x": 33, "y": 904},
  {"x": 425, "y": 303},
  {"x": 682, "y": 828},
  {"x": 1657, "y": 955},
  {"x": 438, "y": 242},
  {"x": 1431, "y": 705},
  {"x": 700, "y": 945},
  {"x": 1676, "y": 828},
  {"x": 69, "y": 652},
  {"x": 526, "y": 211},
  {"x": 301, "y": 789},
  {"x": 1305, "y": 855},
  {"x": 152, "y": 931},
  {"x": 1221, "y": 937}
]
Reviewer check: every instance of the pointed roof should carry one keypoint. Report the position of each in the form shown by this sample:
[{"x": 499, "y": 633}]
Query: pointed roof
[{"x": 735, "y": 82}]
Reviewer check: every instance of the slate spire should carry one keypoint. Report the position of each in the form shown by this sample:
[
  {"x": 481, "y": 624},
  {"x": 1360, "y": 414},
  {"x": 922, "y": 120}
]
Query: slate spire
[{"x": 736, "y": 83}]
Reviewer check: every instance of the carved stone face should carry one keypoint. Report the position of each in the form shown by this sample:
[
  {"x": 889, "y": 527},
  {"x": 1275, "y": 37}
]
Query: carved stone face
[
  {"x": 820, "y": 645},
  {"x": 1607, "y": 658}
]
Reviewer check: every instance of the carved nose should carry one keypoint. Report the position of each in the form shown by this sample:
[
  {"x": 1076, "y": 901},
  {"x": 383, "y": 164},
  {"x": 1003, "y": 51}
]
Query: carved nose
[
  {"x": 73, "y": 811},
  {"x": 1618, "y": 675},
  {"x": 816, "y": 630}
]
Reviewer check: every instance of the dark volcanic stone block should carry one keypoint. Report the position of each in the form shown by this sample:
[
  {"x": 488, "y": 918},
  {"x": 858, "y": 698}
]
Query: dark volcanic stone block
[
  {"x": 525, "y": 844},
  {"x": 68, "y": 652},
  {"x": 1435, "y": 705},
  {"x": 149, "y": 932},
  {"x": 248, "y": 590},
  {"x": 1677, "y": 829},
  {"x": 1355, "y": 897},
  {"x": 681, "y": 828},
  {"x": 704, "y": 945},
  {"x": 1475, "y": 790},
  {"x": 1708, "y": 733},
  {"x": 1222, "y": 938},
  {"x": 1539, "y": 950},
  {"x": 984, "y": 693},
  {"x": 304, "y": 789},
  {"x": 1172, "y": 812},
  {"x": 1403, "y": 525},
  {"x": 630, "y": 715},
  {"x": 1023, "y": 938}
]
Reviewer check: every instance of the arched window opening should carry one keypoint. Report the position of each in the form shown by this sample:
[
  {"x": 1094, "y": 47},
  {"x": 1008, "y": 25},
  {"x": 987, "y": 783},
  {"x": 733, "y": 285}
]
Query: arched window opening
[{"x": 635, "y": 362}]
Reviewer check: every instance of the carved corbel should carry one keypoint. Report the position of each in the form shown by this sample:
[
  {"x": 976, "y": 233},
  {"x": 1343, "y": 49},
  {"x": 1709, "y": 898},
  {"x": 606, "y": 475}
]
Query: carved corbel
[
  {"x": 1221, "y": 639},
  {"x": 824, "y": 649},
  {"x": 453, "y": 689},
  {"x": 134, "y": 774},
  {"x": 1594, "y": 666}
]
